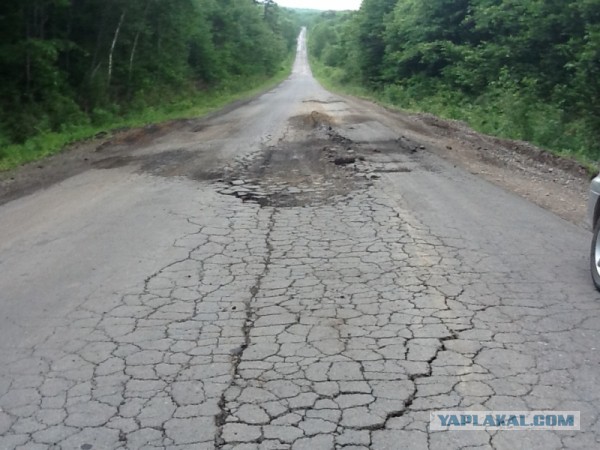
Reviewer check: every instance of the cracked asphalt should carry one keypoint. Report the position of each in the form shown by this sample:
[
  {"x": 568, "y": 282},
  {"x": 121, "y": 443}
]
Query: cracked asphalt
[{"x": 298, "y": 273}]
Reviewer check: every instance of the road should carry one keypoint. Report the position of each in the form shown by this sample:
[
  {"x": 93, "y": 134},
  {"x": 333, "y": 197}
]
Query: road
[{"x": 240, "y": 282}]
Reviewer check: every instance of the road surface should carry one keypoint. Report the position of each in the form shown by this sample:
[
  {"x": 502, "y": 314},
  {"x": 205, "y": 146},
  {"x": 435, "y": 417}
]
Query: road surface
[{"x": 297, "y": 273}]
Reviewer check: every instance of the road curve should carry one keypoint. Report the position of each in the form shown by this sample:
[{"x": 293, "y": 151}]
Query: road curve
[{"x": 299, "y": 272}]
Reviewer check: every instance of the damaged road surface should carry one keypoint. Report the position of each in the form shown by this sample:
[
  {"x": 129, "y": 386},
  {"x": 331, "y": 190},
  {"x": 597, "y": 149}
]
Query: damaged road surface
[{"x": 302, "y": 272}]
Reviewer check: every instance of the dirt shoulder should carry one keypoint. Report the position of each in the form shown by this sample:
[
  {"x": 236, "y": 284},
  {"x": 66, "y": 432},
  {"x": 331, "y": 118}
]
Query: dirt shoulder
[
  {"x": 555, "y": 183},
  {"x": 550, "y": 181}
]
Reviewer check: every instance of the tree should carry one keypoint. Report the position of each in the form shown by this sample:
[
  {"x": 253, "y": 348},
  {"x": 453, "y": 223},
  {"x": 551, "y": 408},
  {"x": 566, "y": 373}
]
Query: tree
[{"x": 369, "y": 38}]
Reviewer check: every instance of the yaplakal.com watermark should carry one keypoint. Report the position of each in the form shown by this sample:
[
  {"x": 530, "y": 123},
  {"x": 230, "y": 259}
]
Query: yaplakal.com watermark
[{"x": 504, "y": 420}]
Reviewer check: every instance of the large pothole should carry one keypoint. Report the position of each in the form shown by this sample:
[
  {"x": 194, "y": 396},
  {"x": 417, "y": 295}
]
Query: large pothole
[{"x": 319, "y": 169}]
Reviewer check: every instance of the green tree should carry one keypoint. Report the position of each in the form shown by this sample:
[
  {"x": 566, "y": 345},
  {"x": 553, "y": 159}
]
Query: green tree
[{"x": 369, "y": 38}]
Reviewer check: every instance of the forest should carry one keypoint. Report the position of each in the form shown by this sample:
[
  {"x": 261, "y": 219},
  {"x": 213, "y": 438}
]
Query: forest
[
  {"x": 523, "y": 69},
  {"x": 69, "y": 65}
]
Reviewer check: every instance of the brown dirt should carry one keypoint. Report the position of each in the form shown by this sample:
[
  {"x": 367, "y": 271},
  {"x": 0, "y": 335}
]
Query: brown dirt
[{"x": 553, "y": 182}]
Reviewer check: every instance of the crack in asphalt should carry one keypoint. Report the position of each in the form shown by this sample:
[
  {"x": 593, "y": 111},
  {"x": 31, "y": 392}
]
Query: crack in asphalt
[
  {"x": 334, "y": 325},
  {"x": 313, "y": 310},
  {"x": 237, "y": 353},
  {"x": 240, "y": 432}
]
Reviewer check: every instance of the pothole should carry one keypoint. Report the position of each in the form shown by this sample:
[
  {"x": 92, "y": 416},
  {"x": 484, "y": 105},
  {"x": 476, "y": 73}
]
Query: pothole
[
  {"x": 344, "y": 160},
  {"x": 311, "y": 121},
  {"x": 321, "y": 169}
]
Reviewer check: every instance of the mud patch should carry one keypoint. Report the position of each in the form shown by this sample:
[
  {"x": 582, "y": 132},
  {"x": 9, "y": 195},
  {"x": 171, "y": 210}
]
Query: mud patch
[
  {"x": 113, "y": 162},
  {"x": 168, "y": 163},
  {"x": 299, "y": 173},
  {"x": 344, "y": 160},
  {"x": 132, "y": 137},
  {"x": 324, "y": 102},
  {"x": 393, "y": 170},
  {"x": 312, "y": 121}
]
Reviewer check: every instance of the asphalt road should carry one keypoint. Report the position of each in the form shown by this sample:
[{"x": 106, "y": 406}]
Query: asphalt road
[{"x": 241, "y": 282}]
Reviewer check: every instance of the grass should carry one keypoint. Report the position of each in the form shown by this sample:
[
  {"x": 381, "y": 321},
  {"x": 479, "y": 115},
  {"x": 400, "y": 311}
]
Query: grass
[
  {"x": 201, "y": 104},
  {"x": 505, "y": 112}
]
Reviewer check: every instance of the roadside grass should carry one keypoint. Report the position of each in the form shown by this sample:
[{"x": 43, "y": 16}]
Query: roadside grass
[
  {"x": 196, "y": 105},
  {"x": 503, "y": 112}
]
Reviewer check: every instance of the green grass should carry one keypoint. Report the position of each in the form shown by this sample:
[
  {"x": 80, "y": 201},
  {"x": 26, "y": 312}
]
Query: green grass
[
  {"x": 198, "y": 105},
  {"x": 504, "y": 112}
]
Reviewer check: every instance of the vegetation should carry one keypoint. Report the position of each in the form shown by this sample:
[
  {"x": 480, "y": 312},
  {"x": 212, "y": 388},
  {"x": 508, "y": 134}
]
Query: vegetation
[
  {"x": 71, "y": 68},
  {"x": 520, "y": 69}
]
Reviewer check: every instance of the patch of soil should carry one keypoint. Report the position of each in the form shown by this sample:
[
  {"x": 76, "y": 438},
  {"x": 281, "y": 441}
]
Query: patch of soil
[
  {"x": 299, "y": 173},
  {"x": 506, "y": 149},
  {"x": 312, "y": 121},
  {"x": 344, "y": 160},
  {"x": 553, "y": 182}
]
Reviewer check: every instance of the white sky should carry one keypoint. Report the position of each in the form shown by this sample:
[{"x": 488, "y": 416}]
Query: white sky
[{"x": 321, "y": 4}]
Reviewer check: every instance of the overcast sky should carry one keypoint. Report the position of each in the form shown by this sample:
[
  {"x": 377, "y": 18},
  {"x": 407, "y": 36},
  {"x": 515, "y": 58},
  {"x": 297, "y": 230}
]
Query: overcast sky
[{"x": 321, "y": 4}]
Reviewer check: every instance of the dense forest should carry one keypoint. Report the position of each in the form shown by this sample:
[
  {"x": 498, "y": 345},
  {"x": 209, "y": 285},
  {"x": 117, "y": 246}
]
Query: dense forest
[
  {"x": 68, "y": 63},
  {"x": 526, "y": 69}
]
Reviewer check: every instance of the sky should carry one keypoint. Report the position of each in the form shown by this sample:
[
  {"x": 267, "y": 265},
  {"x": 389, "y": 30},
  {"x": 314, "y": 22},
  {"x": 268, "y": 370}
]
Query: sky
[{"x": 321, "y": 4}]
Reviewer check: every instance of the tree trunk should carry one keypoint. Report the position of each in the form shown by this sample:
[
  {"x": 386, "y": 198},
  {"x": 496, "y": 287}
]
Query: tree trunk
[
  {"x": 27, "y": 52},
  {"x": 112, "y": 48},
  {"x": 96, "y": 57},
  {"x": 136, "y": 40},
  {"x": 132, "y": 56}
]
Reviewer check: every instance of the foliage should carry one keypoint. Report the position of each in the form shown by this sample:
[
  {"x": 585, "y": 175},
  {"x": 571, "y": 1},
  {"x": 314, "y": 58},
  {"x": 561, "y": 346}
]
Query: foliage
[{"x": 523, "y": 69}]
